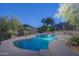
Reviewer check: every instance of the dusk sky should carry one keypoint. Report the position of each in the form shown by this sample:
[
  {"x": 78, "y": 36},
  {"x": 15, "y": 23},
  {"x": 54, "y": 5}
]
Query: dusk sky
[{"x": 31, "y": 14}]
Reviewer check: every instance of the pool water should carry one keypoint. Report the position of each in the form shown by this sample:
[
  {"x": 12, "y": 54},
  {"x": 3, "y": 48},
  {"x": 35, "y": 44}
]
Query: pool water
[{"x": 36, "y": 43}]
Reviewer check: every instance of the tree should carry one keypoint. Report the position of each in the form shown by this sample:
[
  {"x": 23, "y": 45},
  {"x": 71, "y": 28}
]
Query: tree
[
  {"x": 26, "y": 25},
  {"x": 4, "y": 26},
  {"x": 43, "y": 21},
  {"x": 15, "y": 24},
  {"x": 49, "y": 21},
  {"x": 47, "y": 24},
  {"x": 7, "y": 27},
  {"x": 70, "y": 13}
]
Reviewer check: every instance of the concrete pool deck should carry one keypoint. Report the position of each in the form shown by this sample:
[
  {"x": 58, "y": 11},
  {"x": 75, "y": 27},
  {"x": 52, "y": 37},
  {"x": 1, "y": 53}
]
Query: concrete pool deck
[
  {"x": 8, "y": 48},
  {"x": 56, "y": 47},
  {"x": 59, "y": 48}
]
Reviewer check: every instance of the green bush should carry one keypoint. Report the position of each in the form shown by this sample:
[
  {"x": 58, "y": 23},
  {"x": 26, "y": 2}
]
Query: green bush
[
  {"x": 20, "y": 32},
  {"x": 26, "y": 32},
  {"x": 45, "y": 28},
  {"x": 1, "y": 37},
  {"x": 74, "y": 41},
  {"x": 9, "y": 33}
]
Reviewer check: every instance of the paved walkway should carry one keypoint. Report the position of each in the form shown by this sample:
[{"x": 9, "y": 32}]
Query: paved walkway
[{"x": 59, "y": 48}]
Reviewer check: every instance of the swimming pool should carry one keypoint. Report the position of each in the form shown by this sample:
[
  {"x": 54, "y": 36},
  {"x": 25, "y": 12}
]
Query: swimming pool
[{"x": 35, "y": 43}]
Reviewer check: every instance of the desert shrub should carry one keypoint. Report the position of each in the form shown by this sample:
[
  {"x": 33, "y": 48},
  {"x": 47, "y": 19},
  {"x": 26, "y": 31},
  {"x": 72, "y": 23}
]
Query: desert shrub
[
  {"x": 26, "y": 32},
  {"x": 45, "y": 28},
  {"x": 20, "y": 32},
  {"x": 9, "y": 33},
  {"x": 1, "y": 37},
  {"x": 74, "y": 41}
]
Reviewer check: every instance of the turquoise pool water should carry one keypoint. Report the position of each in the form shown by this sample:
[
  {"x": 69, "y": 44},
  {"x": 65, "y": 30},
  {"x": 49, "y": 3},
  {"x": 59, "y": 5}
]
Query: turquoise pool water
[{"x": 36, "y": 43}]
